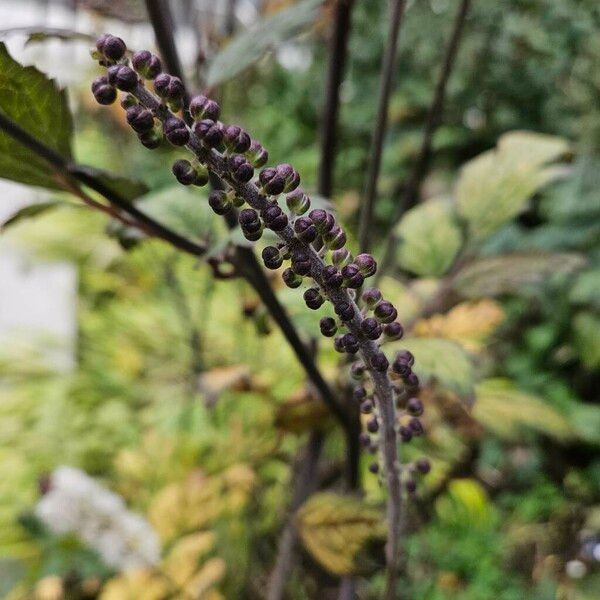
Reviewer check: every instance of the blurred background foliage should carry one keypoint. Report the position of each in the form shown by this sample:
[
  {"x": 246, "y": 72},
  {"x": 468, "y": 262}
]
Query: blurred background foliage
[{"x": 187, "y": 401}]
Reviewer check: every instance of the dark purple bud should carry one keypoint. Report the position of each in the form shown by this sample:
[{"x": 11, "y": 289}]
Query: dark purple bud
[
  {"x": 184, "y": 172},
  {"x": 385, "y": 312},
  {"x": 219, "y": 201},
  {"x": 371, "y": 297},
  {"x": 405, "y": 433},
  {"x": 411, "y": 486},
  {"x": 146, "y": 64},
  {"x": 332, "y": 276},
  {"x": 416, "y": 426},
  {"x": 111, "y": 46},
  {"x": 210, "y": 132},
  {"x": 344, "y": 310},
  {"x": 338, "y": 344},
  {"x": 374, "y": 468},
  {"x": 371, "y": 328},
  {"x": 122, "y": 77},
  {"x": 257, "y": 155},
  {"x": 411, "y": 380},
  {"x": 169, "y": 87},
  {"x": 351, "y": 344},
  {"x": 301, "y": 262},
  {"x": 379, "y": 362},
  {"x": 313, "y": 298},
  {"x": 104, "y": 93},
  {"x": 364, "y": 439},
  {"x": 335, "y": 239},
  {"x": 305, "y": 230},
  {"x": 290, "y": 177},
  {"x": 275, "y": 218},
  {"x": 272, "y": 183},
  {"x": 352, "y": 276},
  {"x": 415, "y": 407},
  {"x": 291, "y": 279},
  {"x": 401, "y": 367},
  {"x": 240, "y": 168},
  {"x": 372, "y": 425},
  {"x": 393, "y": 331},
  {"x": 236, "y": 139},
  {"x": 176, "y": 131},
  {"x": 341, "y": 257},
  {"x": 359, "y": 393},
  {"x": 366, "y": 407},
  {"x": 328, "y": 326},
  {"x": 297, "y": 201},
  {"x": 140, "y": 118},
  {"x": 248, "y": 216},
  {"x": 202, "y": 107},
  {"x": 366, "y": 264},
  {"x": 272, "y": 257},
  {"x": 324, "y": 221},
  {"x": 423, "y": 466},
  {"x": 406, "y": 356},
  {"x": 357, "y": 370}
]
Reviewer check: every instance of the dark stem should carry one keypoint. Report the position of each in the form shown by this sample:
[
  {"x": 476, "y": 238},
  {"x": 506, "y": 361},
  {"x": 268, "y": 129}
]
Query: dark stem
[
  {"x": 387, "y": 78},
  {"x": 305, "y": 482},
  {"x": 335, "y": 74},
  {"x": 85, "y": 176},
  {"x": 435, "y": 113},
  {"x": 230, "y": 17},
  {"x": 410, "y": 196}
]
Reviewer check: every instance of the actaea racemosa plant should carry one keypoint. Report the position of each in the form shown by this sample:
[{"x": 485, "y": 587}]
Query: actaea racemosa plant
[{"x": 311, "y": 243}]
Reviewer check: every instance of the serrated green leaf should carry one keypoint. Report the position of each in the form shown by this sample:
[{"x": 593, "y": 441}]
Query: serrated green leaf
[
  {"x": 508, "y": 273},
  {"x": 251, "y": 45},
  {"x": 429, "y": 238},
  {"x": 494, "y": 186},
  {"x": 441, "y": 361},
  {"x": 35, "y": 103},
  {"x": 506, "y": 411},
  {"x": 335, "y": 529}
]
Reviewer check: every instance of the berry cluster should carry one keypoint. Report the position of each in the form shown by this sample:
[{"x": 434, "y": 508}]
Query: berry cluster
[{"x": 310, "y": 241}]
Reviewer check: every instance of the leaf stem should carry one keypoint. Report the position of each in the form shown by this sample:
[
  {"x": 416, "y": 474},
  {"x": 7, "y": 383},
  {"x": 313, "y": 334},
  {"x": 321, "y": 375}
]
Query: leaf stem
[
  {"x": 387, "y": 78},
  {"x": 410, "y": 195}
]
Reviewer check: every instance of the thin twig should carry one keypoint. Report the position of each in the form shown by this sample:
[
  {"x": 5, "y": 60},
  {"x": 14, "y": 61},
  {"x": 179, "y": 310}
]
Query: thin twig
[
  {"x": 410, "y": 195},
  {"x": 81, "y": 174},
  {"x": 335, "y": 74},
  {"x": 387, "y": 78}
]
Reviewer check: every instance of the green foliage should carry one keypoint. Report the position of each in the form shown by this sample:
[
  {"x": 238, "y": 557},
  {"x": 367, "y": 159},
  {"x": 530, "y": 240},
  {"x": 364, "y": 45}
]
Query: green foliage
[
  {"x": 421, "y": 252},
  {"x": 34, "y": 102},
  {"x": 251, "y": 45}
]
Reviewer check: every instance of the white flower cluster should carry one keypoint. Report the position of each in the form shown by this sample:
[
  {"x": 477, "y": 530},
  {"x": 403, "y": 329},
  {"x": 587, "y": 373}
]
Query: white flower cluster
[{"x": 76, "y": 504}]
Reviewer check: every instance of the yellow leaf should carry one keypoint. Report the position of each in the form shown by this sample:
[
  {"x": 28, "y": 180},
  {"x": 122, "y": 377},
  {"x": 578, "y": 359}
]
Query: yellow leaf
[
  {"x": 335, "y": 529},
  {"x": 507, "y": 411},
  {"x": 429, "y": 237},
  {"x": 133, "y": 585},
  {"x": 211, "y": 573},
  {"x": 494, "y": 186},
  {"x": 187, "y": 554},
  {"x": 469, "y": 323},
  {"x": 466, "y": 503}
]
